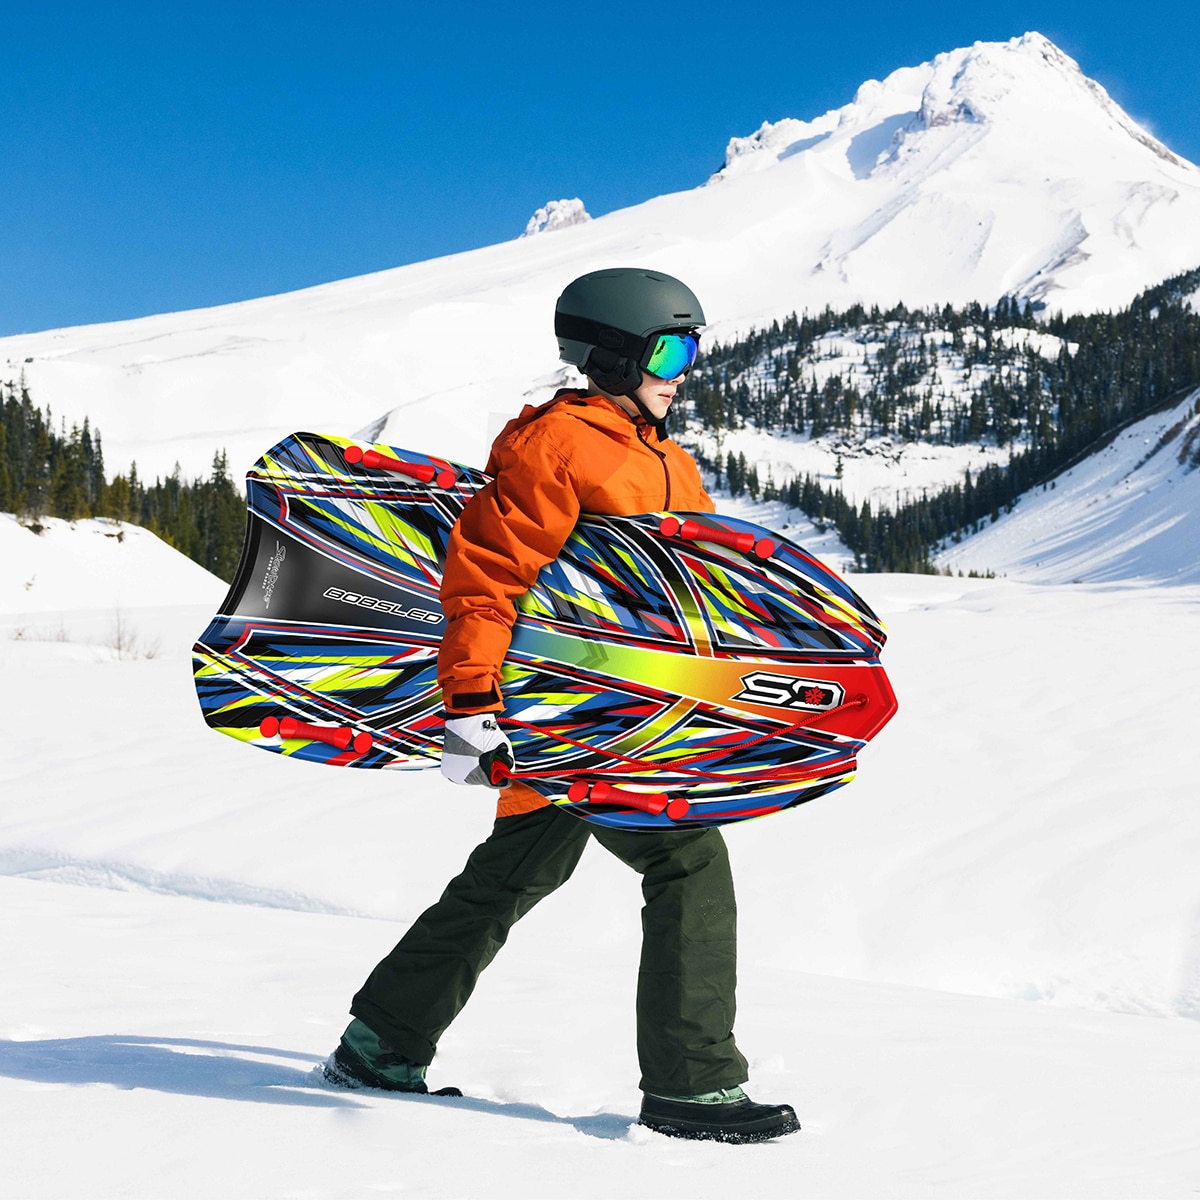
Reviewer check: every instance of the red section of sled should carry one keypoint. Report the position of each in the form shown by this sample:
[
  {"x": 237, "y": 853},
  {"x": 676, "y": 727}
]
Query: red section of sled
[
  {"x": 693, "y": 531},
  {"x": 425, "y": 472},
  {"x": 341, "y": 736},
  {"x": 653, "y": 803}
]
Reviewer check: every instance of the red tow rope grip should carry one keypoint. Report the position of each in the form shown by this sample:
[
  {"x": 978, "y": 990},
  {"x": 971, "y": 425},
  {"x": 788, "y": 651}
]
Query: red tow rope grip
[
  {"x": 340, "y": 736},
  {"x": 425, "y": 472},
  {"x": 653, "y": 803}
]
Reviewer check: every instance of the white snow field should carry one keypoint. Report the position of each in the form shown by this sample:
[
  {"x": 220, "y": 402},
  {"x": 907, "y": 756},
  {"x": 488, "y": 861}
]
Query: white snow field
[
  {"x": 998, "y": 169},
  {"x": 975, "y": 971}
]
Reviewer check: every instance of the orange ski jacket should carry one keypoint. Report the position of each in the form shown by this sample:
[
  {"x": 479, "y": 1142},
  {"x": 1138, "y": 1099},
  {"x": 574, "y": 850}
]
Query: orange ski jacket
[{"x": 573, "y": 455}]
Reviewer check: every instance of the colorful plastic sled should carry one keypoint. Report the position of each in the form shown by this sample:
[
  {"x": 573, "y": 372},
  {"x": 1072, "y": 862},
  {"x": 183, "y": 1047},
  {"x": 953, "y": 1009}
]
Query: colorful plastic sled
[{"x": 667, "y": 670}]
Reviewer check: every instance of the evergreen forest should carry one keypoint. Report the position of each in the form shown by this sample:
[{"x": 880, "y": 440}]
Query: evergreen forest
[
  {"x": 1049, "y": 391},
  {"x": 46, "y": 472}
]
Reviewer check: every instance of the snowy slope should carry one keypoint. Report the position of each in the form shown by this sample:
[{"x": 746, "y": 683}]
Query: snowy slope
[
  {"x": 993, "y": 169},
  {"x": 1127, "y": 512},
  {"x": 975, "y": 971},
  {"x": 55, "y": 566},
  {"x": 100, "y": 589}
]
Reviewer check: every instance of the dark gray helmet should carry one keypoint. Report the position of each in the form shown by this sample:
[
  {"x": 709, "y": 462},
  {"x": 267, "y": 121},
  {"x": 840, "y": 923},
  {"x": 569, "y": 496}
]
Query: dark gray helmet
[{"x": 607, "y": 322}]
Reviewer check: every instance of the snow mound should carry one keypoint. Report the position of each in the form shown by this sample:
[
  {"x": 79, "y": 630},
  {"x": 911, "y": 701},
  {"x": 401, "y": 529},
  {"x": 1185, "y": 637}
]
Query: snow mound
[
  {"x": 557, "y": 214},
  {"x": 51, "y": 565}
]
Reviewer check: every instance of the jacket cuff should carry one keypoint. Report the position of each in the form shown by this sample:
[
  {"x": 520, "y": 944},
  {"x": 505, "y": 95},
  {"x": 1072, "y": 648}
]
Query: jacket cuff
[{"x": 463, "y": 703}]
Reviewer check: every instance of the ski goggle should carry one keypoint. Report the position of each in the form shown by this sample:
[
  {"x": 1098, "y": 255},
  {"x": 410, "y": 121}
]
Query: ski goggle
[{"x": 672, "y": 355}]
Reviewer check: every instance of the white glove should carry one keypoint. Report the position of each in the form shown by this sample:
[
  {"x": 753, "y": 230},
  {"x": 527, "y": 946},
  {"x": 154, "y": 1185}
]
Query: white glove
[{"x": 472, "y": 746}]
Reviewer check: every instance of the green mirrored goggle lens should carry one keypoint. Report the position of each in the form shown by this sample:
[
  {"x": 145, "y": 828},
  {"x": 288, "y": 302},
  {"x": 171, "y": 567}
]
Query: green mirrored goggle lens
[{"x": 673, "y": 354}]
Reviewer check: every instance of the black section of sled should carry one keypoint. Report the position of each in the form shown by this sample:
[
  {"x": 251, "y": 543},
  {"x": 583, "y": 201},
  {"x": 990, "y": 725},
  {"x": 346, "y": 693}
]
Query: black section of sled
[
  {"x": 245, "y": 567},
  {"x": 281, "y": 578}
]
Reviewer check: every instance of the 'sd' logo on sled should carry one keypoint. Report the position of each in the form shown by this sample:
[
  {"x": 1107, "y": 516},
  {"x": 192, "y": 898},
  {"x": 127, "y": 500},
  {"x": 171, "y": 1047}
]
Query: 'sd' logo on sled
[{"x": 786, "y": 691}]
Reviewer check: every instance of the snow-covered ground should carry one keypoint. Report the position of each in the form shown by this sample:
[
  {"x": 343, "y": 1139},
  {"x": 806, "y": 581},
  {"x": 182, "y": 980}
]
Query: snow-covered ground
[{"x": 975, "y": 972}]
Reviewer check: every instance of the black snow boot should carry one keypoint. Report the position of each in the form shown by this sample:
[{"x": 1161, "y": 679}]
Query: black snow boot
[
  {"x": 726, "y": 1116},
  {"x": 365, "y": 1060}
]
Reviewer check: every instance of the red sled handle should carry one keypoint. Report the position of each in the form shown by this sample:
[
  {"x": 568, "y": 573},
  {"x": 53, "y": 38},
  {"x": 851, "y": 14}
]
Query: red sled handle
[
  {"x": 693, "y": 531},
  {"x": 340, "y": 736},
  {"x": 604, "y": 793},
  {"x": 424, "y": 472},
  {"x": 653, "y": 803}
]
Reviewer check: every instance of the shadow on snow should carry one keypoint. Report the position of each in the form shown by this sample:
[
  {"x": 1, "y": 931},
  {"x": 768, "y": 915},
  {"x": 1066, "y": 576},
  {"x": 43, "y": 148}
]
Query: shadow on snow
[{"x": 226, "y": 1071}]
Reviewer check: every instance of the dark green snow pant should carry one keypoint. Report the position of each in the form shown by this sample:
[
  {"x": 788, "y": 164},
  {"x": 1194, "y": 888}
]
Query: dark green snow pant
[{"x": 688, "y": 973}]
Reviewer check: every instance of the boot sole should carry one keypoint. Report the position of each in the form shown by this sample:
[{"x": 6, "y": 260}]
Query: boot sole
[{"x": 731, "y": 1134}]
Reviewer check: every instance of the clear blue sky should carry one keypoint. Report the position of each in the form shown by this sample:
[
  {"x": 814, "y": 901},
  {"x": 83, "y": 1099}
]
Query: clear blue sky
[{"x": 163, "y": 156}]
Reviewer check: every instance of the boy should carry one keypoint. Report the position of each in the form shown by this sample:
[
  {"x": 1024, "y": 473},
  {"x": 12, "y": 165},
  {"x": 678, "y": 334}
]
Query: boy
[{"x": 634, "y": 334}]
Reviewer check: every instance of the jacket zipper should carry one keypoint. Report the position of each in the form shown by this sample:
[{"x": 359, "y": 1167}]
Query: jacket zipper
[{"x": 662, "y": 458}]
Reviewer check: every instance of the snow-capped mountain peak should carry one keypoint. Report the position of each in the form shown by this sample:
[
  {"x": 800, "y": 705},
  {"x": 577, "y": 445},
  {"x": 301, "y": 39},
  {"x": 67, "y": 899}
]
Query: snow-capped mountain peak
[
  {"x": 993, "y": 170},
  {"x": 1026, "y": 84}
]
